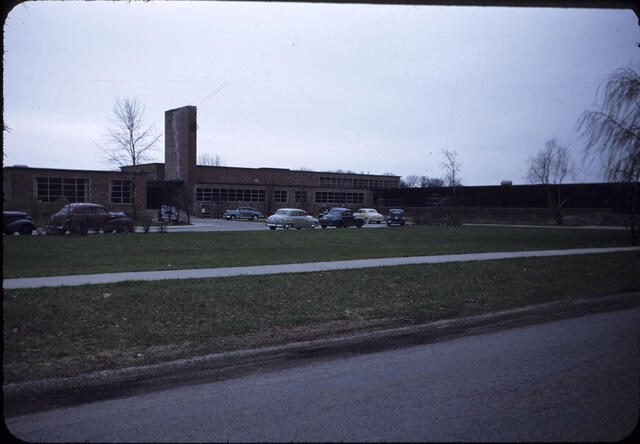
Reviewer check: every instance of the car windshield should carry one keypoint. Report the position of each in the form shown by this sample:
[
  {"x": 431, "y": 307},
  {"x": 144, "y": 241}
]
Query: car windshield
[{"x": 397, "y": 212}]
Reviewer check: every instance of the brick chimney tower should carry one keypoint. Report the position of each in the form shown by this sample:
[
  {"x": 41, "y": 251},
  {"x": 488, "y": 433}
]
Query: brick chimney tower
[{"x": 180, "y": 130}]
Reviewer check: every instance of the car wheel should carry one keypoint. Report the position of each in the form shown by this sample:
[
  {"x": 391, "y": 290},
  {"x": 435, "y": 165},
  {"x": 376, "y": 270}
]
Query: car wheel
[
  {"x": 254, "y": 217},
  {"x": 323, "y": 226},
  {"x": 379, "y": 222},
  {"x": 25, "y": 230},
  {"x": 287, "y": 227},
  {"x": 272, "y": 228},
  {"x": 313, "y": 226},
  {"x": 402, "y": 224},
  {"x": 388, "y": 224},
  {"x": 232, "y": 218},
  {"x": 77, "y": 228}
]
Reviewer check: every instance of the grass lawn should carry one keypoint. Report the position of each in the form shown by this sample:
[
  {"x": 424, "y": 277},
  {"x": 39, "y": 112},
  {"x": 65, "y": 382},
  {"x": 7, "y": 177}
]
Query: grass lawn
[
  {"x": 27, "y": 256},
  {"x": 64, "y": 331}
]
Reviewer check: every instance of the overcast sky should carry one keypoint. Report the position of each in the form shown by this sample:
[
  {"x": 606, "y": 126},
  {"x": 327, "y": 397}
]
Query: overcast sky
[{"x": 368, "y": 88}]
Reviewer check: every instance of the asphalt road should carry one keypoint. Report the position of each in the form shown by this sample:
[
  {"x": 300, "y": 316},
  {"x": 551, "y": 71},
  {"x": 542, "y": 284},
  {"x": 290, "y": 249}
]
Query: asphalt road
[{"x": 570, "y": 380}]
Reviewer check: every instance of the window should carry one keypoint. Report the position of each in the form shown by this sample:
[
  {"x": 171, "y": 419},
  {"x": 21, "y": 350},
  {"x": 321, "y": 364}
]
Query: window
[
  {"x": 121, "y": 191},
  {"x": 300, "y": 196},
  {"x": 357, "y": 183},
  {"x": 340, "y": 198},
  {"x": 53, "y": 189},
  {"x": 208, "y": 194},
  {"x": 280, "y": 196}
]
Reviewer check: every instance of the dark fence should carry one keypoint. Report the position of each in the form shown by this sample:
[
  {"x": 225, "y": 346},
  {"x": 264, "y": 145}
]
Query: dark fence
[{"x": 613, "y": 196}]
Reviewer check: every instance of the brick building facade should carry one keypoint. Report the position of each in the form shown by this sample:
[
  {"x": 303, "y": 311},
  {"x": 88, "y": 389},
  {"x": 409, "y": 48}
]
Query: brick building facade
[{"x": 180, "y": 182}]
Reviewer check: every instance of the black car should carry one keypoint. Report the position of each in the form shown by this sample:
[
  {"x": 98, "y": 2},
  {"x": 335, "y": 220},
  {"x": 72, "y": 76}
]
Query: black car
[
  {"x": 340, "y": 218},
  {"x": 243, "y": 213},
  {"x": 80, "y": 217},
  {"x": 17, "y": 222},
  {"x": 396, "y": 216}
]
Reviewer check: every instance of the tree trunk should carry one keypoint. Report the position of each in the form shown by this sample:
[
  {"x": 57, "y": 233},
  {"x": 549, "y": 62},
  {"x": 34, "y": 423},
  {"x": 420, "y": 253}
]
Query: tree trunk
[{"x": 633, "y": 219}]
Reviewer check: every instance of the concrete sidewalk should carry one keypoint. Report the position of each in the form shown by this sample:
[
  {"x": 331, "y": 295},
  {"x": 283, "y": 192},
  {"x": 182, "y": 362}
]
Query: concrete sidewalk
[{"x": 105, "y": 278}]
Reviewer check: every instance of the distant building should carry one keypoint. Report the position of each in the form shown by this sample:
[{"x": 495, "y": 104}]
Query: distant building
[{"x": 180, "y": 182}]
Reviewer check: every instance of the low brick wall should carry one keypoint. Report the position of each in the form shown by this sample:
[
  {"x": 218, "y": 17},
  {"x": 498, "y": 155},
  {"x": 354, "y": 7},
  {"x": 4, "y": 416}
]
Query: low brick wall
[{"x": 449, "y": 215}]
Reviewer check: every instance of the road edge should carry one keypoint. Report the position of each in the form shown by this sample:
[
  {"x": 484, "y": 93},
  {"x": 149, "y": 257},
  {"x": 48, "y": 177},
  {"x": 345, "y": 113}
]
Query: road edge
[{"x": 32, "y": 396}]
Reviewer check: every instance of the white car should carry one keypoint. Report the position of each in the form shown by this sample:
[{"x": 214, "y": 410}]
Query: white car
[
  {"x": 291, "y": 218},
  {"x": 369, "y": 215}
]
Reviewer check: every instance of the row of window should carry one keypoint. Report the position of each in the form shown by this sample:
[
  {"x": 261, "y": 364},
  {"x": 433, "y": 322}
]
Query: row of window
[
  {"x": 342, "y": 182},
  {"x": 54, "y": 189},
  {"x": 339, "y": 198},
  {"x": 229, "y": 195},
  {"x": 279, "y": 196}
]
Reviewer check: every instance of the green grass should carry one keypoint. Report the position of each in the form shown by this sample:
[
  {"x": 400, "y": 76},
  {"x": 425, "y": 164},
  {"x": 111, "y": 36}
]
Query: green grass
[
  {"x": 26, "y": 256},
  {"x": 63, "y": 331}
]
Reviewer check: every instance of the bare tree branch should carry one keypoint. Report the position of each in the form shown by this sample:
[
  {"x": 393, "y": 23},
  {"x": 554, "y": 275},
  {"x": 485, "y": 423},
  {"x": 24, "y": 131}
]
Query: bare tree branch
[
  {"x": 129, "y": 140},
  {"x": 550, "y": 167},
  {"x": 452, "y": 168},
  {"x": 206, "y": 159},
  {"x": 612, "y": 133}
]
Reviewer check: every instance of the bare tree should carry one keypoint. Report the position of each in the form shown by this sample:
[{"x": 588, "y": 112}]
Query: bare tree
[
  {"x": 612, "y": 132},
  {"x": 550, "y": 167},
  {"x": 451, "y": 179},
  {"x": 410, "y": 181},
  {"x": 183, "y": 200},
  {"x": 129, "y": 140},
  {"x": 207, "y": 159},
  {"x": 429, "y": 182},
  {"x": 452, "y": 168}
]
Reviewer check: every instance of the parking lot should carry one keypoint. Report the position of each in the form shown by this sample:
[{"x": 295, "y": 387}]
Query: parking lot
[{"x": 210, "y": 224}]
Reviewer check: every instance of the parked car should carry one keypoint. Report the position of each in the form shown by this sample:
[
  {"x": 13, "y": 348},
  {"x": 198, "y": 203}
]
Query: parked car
[
  {"x": 340, "y": 218},
  {"x": 167, "y": 213},
  {"x": 396, "y": 216},
  {"x": 78, "y": 218},
  {"x": 243, "y": 213},
  {"x": 291, "y": 218},
  {"x": 17, "y": 222},
  {"x": 369, "y": 215}
]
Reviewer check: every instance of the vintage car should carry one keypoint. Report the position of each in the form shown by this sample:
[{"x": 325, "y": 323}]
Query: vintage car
[
  {"x": 17, "y": 222},
  {"x": 340, "y": 218},
  {"x": 396, "y": 216},
  {"x": 78, "y": 218},
  {"x": 369, "y": 215},
  {"x": 167, "y": 213},
  {"x": 243, "y": 213},
  {"x": 291, "y": 218}
]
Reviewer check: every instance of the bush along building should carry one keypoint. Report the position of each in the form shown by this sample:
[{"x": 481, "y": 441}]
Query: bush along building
[{"x": 180, "y": 182}]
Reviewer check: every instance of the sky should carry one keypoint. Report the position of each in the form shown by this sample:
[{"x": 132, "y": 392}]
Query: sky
[{"x": 367, "y": 88}]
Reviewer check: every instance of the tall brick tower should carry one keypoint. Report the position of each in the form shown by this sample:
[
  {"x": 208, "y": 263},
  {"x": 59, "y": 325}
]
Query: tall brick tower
[{"x": 180, "y": 129}]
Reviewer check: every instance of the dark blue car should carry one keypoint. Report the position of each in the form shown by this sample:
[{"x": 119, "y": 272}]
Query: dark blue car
[{"x": 396, "y": 216}]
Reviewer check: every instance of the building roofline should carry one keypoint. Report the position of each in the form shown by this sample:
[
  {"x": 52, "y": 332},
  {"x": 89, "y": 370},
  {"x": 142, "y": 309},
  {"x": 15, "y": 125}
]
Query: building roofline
[
  {"x": 24, "y": 167},
  {"x": 299, "y": 171}
]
